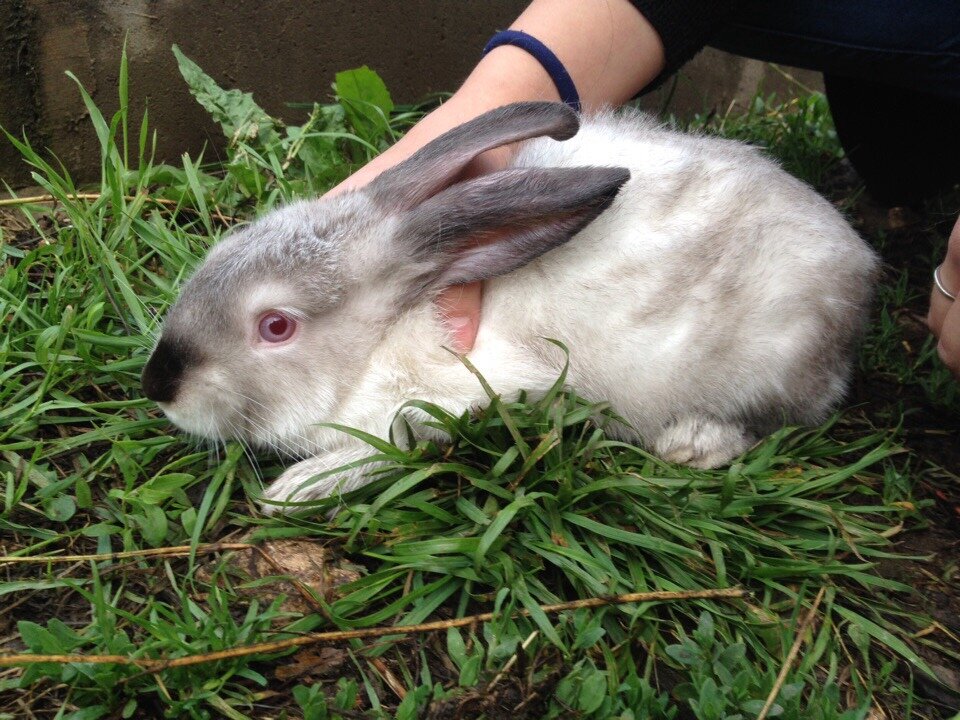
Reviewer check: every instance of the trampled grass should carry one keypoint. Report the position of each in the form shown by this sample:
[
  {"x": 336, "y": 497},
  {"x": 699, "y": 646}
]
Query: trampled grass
[{"x": 531, "y": 505}]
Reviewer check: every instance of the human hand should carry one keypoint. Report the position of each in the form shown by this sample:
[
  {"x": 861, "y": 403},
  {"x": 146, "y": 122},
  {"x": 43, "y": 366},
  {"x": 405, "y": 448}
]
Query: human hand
[
  {"x": 944, "y": 316},
  {"x": 581, "y": 38},
  {"x": 459, "y": 305},
  {"x": 486, "y": 88}
]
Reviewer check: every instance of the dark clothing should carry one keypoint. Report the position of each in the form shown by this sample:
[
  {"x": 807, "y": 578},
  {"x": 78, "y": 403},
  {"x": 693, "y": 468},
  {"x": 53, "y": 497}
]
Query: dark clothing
[
  {"x": 910, "y": 43},
  {"x": 913, "y": 44},
  {"x": 891, "y": 71},
  {"x": 685, "y": 26}
]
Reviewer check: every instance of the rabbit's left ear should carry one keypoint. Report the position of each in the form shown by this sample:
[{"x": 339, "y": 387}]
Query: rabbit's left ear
[
  {"x": 439, "y": 163},
  {"x": 496, "y": 223}
]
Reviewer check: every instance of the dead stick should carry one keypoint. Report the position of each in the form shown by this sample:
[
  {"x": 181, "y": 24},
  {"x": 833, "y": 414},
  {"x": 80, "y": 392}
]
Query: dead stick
[
  {"x": 792, "y": 655},
  {"x": 399, "y": 690},
  {"x": 173, "y": 551},
  {"x": 5, "y": 202},
  {"x": 166, "y": 202},
  {"x": 513, "y": 660},
  {"x": 340, "y": 635}
]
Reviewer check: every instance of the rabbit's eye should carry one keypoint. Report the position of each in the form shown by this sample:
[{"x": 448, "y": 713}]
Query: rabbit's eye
[{"x": 276, "y": 327}]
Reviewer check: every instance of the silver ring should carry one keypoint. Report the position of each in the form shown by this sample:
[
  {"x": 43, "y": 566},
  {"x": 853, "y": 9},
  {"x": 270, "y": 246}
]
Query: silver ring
[{"x": 939, "y": 283}]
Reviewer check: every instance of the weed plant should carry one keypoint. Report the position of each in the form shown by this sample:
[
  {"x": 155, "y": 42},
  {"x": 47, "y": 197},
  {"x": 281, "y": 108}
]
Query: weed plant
[{"x": 531, "y": 504}]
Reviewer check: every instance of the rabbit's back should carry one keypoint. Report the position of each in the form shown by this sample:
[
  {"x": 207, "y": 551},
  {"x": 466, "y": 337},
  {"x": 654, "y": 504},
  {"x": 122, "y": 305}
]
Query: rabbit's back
[{"x": 715, "y": 284}]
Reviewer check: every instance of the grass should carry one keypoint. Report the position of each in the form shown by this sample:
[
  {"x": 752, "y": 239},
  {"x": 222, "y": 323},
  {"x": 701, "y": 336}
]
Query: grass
[{"x": 532, "y": 504}]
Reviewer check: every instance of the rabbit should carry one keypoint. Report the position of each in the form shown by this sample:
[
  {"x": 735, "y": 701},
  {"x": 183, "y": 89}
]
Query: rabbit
[{"x": 704, "y": 292}]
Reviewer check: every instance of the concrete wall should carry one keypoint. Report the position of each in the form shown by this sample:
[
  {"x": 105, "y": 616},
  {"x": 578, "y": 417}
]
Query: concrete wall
[{"x": 281, "y": 50}]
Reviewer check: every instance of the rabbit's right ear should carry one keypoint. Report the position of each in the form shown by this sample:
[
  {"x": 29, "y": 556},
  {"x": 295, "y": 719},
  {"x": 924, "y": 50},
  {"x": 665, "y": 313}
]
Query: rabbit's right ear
[
  {"x": 496, "y": 223},
  {"x": 438, "y": 164}
]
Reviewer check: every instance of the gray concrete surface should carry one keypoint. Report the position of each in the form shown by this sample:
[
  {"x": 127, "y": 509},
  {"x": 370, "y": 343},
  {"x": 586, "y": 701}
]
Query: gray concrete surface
[{"x": 282, "y": 51}]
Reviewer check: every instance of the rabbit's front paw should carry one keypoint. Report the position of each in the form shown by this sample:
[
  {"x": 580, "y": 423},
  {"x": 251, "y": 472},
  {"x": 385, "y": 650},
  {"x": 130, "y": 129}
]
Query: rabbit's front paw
[{"x": 299, "y": 483}]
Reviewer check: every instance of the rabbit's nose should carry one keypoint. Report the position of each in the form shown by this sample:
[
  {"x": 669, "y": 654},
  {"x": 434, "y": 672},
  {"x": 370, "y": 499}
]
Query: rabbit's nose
[{"x": 163, "y": 373}]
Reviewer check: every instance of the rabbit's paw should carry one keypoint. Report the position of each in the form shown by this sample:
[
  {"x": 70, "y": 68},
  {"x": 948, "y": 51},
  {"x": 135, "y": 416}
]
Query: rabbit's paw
[
  {"x": 702, "y": 442},
  {"x": 299, "y": 483}
]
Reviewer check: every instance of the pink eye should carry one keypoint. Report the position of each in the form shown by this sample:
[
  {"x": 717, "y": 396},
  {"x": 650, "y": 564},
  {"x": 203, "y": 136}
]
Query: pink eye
[{"x": 276, "y": 327}]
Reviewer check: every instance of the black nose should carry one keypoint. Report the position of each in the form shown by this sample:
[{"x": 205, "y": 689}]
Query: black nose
[{"x": 163, "y": 373}]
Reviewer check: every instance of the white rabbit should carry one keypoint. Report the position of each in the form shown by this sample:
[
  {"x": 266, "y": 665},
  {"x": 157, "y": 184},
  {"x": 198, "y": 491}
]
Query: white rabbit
[{"x": 703, "y": 291}]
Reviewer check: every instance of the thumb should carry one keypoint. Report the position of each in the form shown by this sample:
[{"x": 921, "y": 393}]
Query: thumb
[{"x": 460, "y": 309}]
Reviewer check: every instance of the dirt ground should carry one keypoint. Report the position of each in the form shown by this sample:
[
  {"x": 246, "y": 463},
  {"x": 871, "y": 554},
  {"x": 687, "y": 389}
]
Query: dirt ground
[{"x": 930, "y": 430}]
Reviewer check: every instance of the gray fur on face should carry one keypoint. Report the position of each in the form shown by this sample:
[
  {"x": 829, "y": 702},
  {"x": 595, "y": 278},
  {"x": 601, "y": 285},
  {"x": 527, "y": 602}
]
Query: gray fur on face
[
  {"x": 344, "y": 268},
  {"x": 292, "y": 260}
]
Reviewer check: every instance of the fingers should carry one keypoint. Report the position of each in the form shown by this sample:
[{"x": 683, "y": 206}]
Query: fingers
[
  {"x": 940, "y": 305},
  {"x": 944, "y": 315},
  {"x": 460, "y": 308},
  {"x": 949, "y": 346}
]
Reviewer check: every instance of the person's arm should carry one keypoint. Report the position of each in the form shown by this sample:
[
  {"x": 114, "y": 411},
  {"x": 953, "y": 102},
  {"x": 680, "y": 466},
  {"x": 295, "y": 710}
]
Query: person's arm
[
  {"x": 609, "y": 49},
  {"x": 611, "y": 53},
  {"x": 944, "y": 315}
]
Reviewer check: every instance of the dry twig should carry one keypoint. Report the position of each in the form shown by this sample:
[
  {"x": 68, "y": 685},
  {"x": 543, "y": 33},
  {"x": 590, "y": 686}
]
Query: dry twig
[
  {"x": 173, "y": 551},
  {"x": 153, "y": 666},
  {"x": 792, "y": 655},
  {"x": 7, "y": 202},
  {"x": 398, "y": 689},
  {"x": 513, "y": 660}
]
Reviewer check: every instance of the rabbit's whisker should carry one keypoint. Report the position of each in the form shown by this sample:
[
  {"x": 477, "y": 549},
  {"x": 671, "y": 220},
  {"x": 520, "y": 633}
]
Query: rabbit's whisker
[
  {"x": 251, "y": 457},
  {"x": 250, "y": 416}
]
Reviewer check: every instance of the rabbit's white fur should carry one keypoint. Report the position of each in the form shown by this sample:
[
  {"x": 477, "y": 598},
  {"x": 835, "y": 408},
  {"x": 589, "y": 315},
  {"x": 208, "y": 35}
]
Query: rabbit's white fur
[
  {"x": 715, "y": 299},
  {"x": 659, "y": 343}
]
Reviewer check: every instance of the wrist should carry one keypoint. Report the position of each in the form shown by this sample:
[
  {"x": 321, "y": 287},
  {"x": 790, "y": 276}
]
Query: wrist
[
  {"x": 503, "y": 76},
  {"x": 506, "y": 75}
]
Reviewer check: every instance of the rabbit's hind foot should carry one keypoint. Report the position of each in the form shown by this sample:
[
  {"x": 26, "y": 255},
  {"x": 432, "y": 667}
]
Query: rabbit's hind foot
[{"x": 702, "y": 441}]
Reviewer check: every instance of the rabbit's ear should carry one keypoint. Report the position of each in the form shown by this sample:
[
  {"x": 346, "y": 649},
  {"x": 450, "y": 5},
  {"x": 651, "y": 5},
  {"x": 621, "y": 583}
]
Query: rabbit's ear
[
  {"x": 439, "y": 163},
  {"x": 493, "y": 224}
]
